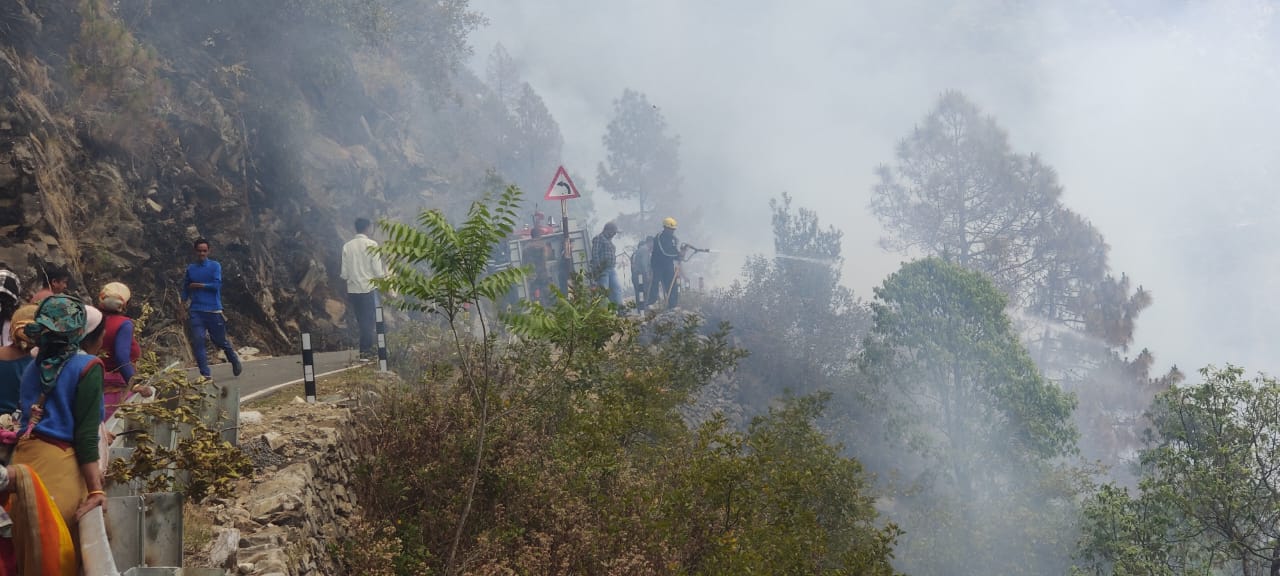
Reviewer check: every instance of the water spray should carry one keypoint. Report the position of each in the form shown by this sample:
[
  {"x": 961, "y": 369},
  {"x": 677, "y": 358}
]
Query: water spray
[{"x": 822, "y": 261}]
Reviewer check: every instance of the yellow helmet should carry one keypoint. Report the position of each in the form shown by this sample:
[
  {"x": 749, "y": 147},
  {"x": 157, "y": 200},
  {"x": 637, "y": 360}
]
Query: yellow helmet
[{"x": 669, "y": 223}]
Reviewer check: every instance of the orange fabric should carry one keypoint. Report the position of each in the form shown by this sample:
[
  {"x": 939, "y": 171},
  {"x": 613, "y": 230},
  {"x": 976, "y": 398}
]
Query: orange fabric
[
  {"x": 63, "y": 484},
  {"x": 41, "y": 539},
  {"x": 57, "y": 467},
  {"x": 41, "y": 295}
]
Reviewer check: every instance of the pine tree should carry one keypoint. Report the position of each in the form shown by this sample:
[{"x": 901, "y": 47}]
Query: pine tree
[
  {"x": 503, "y": 77},
  {"x": 643, "y": 161}
]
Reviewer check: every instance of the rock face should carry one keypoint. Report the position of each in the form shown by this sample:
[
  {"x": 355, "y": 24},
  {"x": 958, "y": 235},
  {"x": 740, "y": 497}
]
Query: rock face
[{"x": 124, "y": 140}]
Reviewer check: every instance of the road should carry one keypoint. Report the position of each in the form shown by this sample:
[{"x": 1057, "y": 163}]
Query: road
[{"x": 258, "y": 375}]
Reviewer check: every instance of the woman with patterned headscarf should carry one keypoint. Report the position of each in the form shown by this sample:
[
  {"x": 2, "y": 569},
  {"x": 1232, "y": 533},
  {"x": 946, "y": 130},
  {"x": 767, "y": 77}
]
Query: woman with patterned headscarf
[
  {"x": 10, "y": 289},
  {"x": 61, "y": 403},
  {"x": 120, "y": 346}
]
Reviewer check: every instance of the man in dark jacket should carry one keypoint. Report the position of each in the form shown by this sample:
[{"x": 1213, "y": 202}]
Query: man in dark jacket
[{"x": 666, "y": 253}]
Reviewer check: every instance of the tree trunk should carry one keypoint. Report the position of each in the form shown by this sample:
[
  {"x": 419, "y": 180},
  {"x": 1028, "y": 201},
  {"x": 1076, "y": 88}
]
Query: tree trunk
[{"x": 483, "y": 390}]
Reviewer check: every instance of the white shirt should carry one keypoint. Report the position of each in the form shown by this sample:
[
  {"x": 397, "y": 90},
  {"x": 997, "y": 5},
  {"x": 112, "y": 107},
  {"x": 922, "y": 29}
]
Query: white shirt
[{"x": 359, "y": 267}]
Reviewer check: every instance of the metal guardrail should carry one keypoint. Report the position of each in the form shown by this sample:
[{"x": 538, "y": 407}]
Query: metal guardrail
[
  {"x": 124, "y": 530},
  {"x": 145, "y": 529},
  {"x": 162, "y": 529},
  {"x": 163, "y": 571}
]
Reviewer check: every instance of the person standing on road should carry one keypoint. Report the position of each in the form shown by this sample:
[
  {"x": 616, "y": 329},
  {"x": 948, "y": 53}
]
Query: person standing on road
[
  {"x": 662, "y": 262},
  {"x": 604, "y": 261},
  {"x": 202, "y": 286},
  {"x": 360, "y": 266},
  {"x": 641, "y": 273},
  {"x": 537, "y": 252}
]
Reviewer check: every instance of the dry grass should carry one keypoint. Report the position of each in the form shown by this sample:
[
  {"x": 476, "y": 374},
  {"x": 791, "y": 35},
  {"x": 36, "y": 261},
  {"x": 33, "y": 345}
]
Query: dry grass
[
  {"x": 197, "y": 533},
  {"x": 345, "y": 384}
]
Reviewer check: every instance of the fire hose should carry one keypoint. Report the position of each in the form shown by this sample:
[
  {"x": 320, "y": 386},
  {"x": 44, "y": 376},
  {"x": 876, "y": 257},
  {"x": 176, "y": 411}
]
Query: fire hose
[{"x": 676, "y": 278}]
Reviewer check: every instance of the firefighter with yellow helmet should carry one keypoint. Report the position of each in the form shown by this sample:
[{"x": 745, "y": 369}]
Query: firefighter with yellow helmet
[{"x": 667, "y": 251}]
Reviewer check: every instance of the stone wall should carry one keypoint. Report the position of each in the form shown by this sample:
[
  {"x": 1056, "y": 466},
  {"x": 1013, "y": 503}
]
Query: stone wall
[{"x": 297, "y": 506}]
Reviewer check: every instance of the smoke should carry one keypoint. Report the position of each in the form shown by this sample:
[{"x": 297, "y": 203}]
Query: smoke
[
  {"x": 1157, "y": 115},
  {"x": 1168, "y": 153}
]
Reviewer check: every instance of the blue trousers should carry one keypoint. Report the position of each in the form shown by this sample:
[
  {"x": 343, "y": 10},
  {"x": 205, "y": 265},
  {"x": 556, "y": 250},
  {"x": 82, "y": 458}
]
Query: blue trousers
[
  {"x": 609, "y": 281},
  {"x": 365, "y": 306},
  {"x": 215, "y": 326}
]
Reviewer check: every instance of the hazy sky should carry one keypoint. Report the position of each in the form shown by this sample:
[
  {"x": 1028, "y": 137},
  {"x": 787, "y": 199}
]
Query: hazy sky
[{"x": 1160, "y": 117}]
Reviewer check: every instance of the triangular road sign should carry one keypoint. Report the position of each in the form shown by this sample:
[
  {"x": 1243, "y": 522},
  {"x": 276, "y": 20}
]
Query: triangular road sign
[{"x": 562, "y": 187}]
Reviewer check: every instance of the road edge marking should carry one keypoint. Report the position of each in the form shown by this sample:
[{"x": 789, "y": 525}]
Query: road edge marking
[{"x": 277, "y": 387}]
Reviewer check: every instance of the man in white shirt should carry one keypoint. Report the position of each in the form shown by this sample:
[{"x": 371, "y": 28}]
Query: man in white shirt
[{"x": 359, "y": 268}]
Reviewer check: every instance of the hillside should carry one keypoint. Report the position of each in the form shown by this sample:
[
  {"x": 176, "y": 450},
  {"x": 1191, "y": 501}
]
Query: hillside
[{"x": 128, "y": 129}]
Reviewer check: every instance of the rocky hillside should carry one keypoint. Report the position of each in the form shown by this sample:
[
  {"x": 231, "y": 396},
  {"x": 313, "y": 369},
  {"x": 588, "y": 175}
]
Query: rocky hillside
[{"x": 129, "y": 128}]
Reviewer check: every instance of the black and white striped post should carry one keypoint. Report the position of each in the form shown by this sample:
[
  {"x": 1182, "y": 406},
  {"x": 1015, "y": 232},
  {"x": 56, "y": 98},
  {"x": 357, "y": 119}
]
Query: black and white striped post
[
  {"x": 382, "y": 338},
  {"x": 308, "y": 369}
]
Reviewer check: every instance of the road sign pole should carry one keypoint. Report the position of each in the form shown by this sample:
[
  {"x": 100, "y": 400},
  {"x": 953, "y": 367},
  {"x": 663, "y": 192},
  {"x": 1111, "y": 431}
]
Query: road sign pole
[
  {"x": 562, "y": 189},
  {"x": 566, "y": 265},
  {"x": 308, "y": 369}
]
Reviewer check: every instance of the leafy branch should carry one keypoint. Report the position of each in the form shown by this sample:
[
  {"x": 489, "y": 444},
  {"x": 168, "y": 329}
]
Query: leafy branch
[
  {"x": 213, "y": 464},
  {"x": 437, "y": 268}
]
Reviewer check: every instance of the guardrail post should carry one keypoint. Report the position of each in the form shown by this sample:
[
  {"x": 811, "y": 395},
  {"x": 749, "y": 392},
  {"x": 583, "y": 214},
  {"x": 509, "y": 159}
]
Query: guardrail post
[
  {"x": 229, "y": 406},
  {"x": 308, "y": 369},
  {"x": 162, "y": 529},
  {"x": 382, "y": 338},
  {"x": 124, "y": 530}
]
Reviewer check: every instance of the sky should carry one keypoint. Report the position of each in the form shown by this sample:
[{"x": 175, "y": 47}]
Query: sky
[{"x": 1161, "y": 119}]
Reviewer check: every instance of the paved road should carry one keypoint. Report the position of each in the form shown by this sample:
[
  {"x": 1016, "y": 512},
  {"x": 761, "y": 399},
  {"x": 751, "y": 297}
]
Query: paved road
[{"x": 262, "y": 374}]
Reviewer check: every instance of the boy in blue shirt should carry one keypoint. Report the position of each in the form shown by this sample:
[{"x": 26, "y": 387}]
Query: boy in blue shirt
[{"x": 202, "y": 285}]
